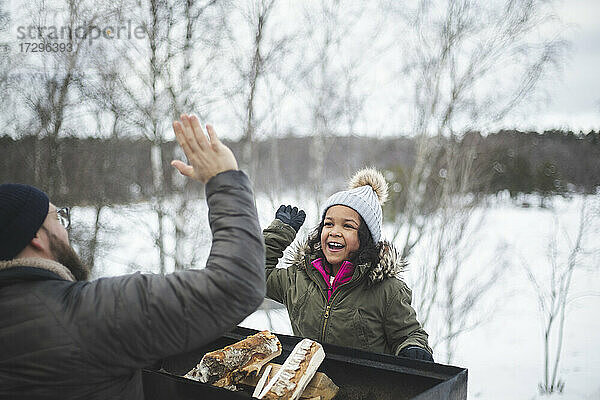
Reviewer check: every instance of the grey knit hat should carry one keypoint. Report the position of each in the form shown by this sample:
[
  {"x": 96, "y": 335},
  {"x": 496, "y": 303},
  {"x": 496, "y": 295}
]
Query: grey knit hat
[
  {"x": 23, "y": 210},
  {"x": 367, "y": 192}
]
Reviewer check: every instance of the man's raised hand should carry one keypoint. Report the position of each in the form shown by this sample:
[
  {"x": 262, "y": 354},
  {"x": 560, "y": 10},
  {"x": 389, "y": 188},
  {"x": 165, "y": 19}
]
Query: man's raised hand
[{"x": 207, "y": 156}]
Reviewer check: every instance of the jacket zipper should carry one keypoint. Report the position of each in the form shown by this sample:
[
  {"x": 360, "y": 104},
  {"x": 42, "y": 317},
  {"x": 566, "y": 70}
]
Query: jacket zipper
[{"x": 330, "y": 303}]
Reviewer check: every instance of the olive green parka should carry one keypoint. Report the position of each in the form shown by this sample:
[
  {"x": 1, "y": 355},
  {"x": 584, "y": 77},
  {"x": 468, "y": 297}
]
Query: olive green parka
[{"x": 372, "y": 311}]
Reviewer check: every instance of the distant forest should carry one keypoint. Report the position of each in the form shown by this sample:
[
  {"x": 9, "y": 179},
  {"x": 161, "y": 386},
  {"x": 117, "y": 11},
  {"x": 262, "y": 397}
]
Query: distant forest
[{"x": 117, "y": 171}]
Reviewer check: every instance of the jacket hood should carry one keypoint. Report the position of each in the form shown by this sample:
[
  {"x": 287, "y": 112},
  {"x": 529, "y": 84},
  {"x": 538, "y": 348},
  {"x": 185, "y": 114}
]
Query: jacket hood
[
  {"x": 41, "y": 263},
  {"x": 391, "y": 263}
]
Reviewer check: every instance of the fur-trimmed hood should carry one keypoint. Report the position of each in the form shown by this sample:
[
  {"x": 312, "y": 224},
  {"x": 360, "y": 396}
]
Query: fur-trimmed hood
[
  {"x": 391, "y": 263},
  {"x": 41, "y": 263}
]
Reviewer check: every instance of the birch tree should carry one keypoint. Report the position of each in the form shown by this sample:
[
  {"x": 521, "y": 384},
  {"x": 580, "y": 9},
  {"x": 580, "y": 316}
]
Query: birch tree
[
  {"x": 155, "y": 78},
  {"x": 259, "y": 42},
  {"x": 7, "y": 116},
  {"x": 48, "y": 96},
  {"x": 333, "y": 97},
  {"x": 45, "y": 90},
  {"x": 465, "y": 66},
  {"x": 565, "y": 255}
]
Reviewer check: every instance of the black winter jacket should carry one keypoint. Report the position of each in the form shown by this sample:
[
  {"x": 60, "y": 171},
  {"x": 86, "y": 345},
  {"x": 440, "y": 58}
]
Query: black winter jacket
[{"x": 61, "y": 339}]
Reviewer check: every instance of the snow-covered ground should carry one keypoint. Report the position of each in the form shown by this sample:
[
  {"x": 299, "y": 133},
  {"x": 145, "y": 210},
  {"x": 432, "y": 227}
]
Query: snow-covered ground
[{"x": 504, "y": 355}]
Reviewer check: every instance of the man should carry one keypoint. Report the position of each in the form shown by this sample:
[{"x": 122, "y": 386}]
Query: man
[{"x": 62, "y": 337}]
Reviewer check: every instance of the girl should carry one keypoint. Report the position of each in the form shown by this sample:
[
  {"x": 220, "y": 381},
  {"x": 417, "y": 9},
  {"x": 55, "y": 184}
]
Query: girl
[{"x": 341, "y": 284}]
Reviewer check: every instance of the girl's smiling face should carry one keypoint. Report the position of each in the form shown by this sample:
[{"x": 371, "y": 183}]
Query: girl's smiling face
[{"x": 339, "y": 237}]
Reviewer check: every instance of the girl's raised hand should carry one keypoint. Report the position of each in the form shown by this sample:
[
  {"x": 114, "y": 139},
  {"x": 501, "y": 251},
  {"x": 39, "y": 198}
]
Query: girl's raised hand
[{"x": 291, "y": 216}]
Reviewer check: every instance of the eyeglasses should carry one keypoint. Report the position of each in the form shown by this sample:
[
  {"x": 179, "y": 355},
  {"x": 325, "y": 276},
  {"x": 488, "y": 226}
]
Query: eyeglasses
[{"x": 64, "y": 216}]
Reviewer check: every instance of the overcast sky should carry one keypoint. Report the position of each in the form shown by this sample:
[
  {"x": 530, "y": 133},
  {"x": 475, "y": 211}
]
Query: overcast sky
[
  {"x": 573, "y": 98},
  {"x": 570, "y": 99}
]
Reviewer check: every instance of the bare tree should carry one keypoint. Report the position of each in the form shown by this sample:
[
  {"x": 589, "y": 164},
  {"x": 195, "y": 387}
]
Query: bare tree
[
  {"x": 553, "y": 291},
  {"x": 99, "y": 90},
  {"x": 453, "y": 52},
  {"x": 46, "y": 92},
  {"x": 260, "y": 83},
  {"x": 7, "y": 116},
  {"x": 94, "y": 239},
  {"x": 48, "y": 87},
  {"x": 204, "y": 27},
  {"x": 325, "y": 89},
  {"x": 152, "y": 80},
  {"x": 333, "y": 95}
]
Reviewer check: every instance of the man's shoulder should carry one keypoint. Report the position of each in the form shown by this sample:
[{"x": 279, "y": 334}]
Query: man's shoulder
[{"x": 34, "y": 269}]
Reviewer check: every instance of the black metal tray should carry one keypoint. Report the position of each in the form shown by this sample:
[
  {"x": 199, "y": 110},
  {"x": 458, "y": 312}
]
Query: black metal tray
[{"x": 359, "y": 375}]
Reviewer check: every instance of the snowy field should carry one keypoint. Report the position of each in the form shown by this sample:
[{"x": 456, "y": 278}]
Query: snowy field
[{"x": 504, "y": 355}]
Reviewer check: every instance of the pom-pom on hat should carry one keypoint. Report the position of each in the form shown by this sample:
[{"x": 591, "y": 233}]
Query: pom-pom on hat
[
  {"x": 367, "y": 192},
  {"x": 23, "y": 210}
]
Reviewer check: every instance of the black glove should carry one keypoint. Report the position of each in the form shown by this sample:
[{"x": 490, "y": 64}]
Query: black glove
[
  {"x": 291, "y": 216},
  {"x": 416, "y": 353}
]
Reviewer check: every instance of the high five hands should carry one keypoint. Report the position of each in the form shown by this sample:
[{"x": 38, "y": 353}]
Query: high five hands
[{"x": 207, "y": 156}]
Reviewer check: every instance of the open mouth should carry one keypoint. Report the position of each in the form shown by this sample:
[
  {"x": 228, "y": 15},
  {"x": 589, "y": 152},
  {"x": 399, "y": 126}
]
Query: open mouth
[{"x": 333, "y": 246}]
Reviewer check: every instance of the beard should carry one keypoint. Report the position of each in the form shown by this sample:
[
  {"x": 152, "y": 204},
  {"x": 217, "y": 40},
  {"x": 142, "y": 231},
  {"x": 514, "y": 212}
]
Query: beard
[{"x": 64, "y": 254}]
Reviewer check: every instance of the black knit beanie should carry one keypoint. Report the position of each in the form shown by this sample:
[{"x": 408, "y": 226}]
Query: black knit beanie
[{"x": 23, "y": 210}]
